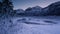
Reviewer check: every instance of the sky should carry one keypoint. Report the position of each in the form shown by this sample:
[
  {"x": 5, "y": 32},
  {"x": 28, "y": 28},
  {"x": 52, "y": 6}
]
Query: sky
[{"x": 23, "y": 4}]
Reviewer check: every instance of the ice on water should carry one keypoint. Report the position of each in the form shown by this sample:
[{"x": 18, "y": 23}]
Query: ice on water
[{"x": 30, "y": 25}]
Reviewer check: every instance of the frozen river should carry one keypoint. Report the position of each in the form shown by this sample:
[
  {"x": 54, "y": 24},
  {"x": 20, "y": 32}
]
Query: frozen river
[{"x": 34, "y": 25}]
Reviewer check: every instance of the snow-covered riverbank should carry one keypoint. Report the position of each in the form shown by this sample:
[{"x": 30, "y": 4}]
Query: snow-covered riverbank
[{"x": 31, "y": 25}]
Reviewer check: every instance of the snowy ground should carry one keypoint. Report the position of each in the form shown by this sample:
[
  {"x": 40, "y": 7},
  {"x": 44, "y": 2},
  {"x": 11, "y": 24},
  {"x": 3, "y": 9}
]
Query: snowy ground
[{"x": 33, "y": 25}]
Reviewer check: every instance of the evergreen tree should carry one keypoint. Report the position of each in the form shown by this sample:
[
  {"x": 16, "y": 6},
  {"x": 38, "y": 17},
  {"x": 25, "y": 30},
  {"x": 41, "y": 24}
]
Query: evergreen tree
[
  {"x": 0, "y": 7},
  {"x": 7, "y": 7}
]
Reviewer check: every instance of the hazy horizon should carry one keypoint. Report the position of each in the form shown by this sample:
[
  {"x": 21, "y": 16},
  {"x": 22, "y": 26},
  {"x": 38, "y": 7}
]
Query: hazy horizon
[{"x": 23, "y": 4}]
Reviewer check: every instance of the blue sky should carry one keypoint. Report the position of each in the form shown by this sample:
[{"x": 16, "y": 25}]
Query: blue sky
[{"x": 23, "y": 4}]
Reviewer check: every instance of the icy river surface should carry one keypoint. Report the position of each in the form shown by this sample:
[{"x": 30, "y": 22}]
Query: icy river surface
[{"x": 31, "y": 25}]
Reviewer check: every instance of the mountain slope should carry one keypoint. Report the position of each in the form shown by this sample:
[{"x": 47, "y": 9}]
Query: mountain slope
[{"x": 53, "y": 9}]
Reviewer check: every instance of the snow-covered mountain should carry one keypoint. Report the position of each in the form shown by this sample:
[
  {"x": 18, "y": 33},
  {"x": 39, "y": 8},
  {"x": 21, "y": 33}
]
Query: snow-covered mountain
[
  {"x": 53, "y": 9},
  {"x": 19, "y": 11},
  {"x": 34, "y": 10}
]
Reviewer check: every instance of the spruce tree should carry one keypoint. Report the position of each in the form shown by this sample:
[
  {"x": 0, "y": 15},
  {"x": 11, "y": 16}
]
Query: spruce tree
[
  {"x": 0, "y": 7},
  {"x": 7, "y": 6}
]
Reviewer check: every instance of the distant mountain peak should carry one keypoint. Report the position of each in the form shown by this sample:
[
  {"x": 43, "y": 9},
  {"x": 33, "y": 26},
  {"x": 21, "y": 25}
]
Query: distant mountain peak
[
  {"x": 57, "y": 2},
  {"x": 37, "y": 7}
]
